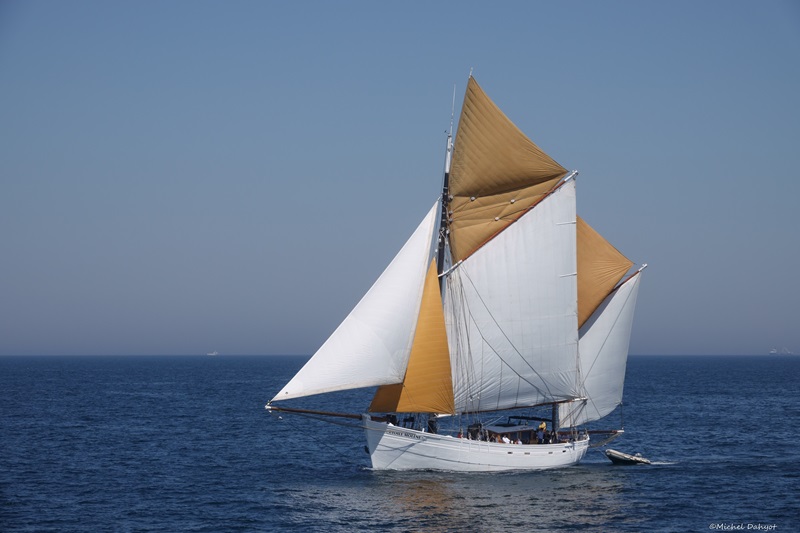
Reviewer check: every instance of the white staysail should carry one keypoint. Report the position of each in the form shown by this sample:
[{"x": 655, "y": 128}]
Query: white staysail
[
  {"x": 511, "y": 311},
  {"x": 604, "y": 341},
  {"x": 371, "y": 346}
]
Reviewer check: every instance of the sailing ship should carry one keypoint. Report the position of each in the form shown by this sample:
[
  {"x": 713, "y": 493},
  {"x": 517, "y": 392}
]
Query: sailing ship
[{"x": 499, "y": 330}]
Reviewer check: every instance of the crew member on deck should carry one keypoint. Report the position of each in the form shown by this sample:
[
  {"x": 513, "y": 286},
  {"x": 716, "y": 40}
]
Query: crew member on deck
[{"x": 540, "y": 433}]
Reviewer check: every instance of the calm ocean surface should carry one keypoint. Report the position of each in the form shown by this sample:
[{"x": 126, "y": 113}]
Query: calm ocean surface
[{"x": 184, "y": 444}]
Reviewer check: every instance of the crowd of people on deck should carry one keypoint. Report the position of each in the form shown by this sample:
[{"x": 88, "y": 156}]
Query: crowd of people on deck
[{"x": 541, "y": 436}]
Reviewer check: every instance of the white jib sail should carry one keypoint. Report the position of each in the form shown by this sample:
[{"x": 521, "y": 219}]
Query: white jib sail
[
  {"x": 371, "y": 346},
  {"x": 511, "y": 312},
  {"x": 603, "y": 356}
]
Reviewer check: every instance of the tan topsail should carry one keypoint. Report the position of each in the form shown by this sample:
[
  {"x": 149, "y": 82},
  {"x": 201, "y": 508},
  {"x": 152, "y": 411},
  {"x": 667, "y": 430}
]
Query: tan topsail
[{"x": 497, "y": 173}]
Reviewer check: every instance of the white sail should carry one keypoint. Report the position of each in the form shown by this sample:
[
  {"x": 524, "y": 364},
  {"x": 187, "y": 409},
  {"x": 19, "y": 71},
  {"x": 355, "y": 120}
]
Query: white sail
[
  {"x": 371, "y": 346},
  {"x": 511, "y": 311},
  {"x": 604, "y": 341}
]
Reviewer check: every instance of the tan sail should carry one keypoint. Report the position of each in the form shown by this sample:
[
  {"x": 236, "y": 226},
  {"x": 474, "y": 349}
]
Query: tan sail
[
  {"x": 427, "y": 386},
  {"x": 600, "y": 268},
  {"x": 497, "y": 173}
]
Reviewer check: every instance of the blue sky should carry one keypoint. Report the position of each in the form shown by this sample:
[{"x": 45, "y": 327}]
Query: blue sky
[{"x": 181, "y": 177}]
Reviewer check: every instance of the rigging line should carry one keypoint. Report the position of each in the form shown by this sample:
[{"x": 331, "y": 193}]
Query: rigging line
[
  {"x": 548, "y": 393},
  {"x": 299, "y": 429},
  {"x": 462, "y": 370},
  {"x": 474, "y": 379},
  {"x": 467, "y": 364},
  {"x": 495, "y": 352},
  {"x": 491, "y": 315},
  {"x": 321, "y": 418}
]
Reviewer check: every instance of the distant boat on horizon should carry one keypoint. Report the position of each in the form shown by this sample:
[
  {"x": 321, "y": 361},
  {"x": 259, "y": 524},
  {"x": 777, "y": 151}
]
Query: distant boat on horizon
[
  {"x": 213, "y": 353},
  {"x": 784, "y": 351}
]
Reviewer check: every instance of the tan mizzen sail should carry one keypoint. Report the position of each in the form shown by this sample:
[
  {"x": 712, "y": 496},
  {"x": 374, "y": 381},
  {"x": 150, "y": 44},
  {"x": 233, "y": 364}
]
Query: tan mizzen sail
[
  {"x": 427, "y": 386},
  {"x": 497, "y": 173}
]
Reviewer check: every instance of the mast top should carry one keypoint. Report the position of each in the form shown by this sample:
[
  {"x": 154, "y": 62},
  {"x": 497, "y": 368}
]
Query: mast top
[{"x": 452, "y": 111}]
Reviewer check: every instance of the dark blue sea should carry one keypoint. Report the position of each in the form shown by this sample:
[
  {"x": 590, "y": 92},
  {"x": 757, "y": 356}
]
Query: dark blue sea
[{"x": 184, "y": 444}]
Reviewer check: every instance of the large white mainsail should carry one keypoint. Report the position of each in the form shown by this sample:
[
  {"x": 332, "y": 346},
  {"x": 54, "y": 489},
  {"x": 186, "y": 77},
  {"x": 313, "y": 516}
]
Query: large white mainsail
[
  {"x": 371, "y": 346},
  {"x": 511, "y": 312}
]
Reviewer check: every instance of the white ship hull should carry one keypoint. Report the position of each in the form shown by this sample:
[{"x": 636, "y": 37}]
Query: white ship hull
[{"x": 396, "y": 448}]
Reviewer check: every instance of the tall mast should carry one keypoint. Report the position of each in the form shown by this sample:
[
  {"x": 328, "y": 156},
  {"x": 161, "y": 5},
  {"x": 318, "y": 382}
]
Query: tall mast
[{"x": 443, "y": 221}]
